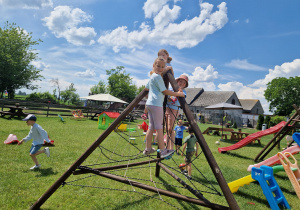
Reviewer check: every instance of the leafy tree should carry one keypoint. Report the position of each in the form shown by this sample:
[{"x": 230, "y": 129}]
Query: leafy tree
[
  {"x": 141, "y": 88},
  {"x": 120, "y": 84},
  {"x": 69, "y": 95},
  {"x": 282, "y": 93},
  {"x": 16, "y": 55},
  {"x": 100, "y": 88}
]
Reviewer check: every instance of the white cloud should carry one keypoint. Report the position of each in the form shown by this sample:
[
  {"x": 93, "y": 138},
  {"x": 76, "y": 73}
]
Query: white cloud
[
  {"x": 63, "y": 22},
  {"x": 244, "y": 65},
  {"x": 289, "y": 69},
  {"x": 165, "y": 16},
  {"x": 152, "y": 7},
  {"x": 87, "y": 73},
  {"x": 247, "y": 20},
  {"x": 185, "y": 34},
  {"x": 26, "y": 4},
  {"x": 40, "y": 65}
]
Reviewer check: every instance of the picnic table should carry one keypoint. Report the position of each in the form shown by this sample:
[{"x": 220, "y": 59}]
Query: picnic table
[
  {"x": 218, "y": 131},
  {"x": 14, "y": 111}
]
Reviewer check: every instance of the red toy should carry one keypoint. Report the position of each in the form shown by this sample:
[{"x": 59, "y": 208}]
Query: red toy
[{"x": 11, "y": 139}]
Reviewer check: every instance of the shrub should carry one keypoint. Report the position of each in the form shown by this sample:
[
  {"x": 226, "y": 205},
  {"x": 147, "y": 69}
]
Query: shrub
[
  {"x": 260, "y": 122},
  {"x": 276, "y": 119}
]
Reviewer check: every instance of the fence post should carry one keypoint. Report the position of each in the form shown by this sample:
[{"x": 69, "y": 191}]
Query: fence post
[{"x": 48, "y": 109}]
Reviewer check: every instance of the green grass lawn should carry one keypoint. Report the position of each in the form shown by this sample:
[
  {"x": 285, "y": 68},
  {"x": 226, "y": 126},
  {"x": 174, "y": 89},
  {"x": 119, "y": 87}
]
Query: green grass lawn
[{"x": 21, "y": 187}]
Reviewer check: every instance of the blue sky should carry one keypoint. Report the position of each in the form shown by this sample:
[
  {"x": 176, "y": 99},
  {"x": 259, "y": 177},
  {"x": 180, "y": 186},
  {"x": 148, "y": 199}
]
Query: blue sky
[{"x": 221, "y": 45}]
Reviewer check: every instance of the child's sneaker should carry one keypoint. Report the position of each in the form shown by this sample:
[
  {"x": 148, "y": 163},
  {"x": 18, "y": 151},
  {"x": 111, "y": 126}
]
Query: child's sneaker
[
  {"x": 148, "y": 152},
  {"x": 47, "y": 151},
  {"x": 189, "y": 177},
  {"x": 35, "y": 167},
  {"x": 166, "y": 152}
]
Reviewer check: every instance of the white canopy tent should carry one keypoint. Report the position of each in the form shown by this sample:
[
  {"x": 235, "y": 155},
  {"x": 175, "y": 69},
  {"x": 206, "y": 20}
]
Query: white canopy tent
[{"x": 103, "y": 97}]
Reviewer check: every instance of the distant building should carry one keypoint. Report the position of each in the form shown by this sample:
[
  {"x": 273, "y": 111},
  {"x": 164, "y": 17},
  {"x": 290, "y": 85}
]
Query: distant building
[
  {"x": 252, "y": 108},
  {"x": 198, "y": 99}
]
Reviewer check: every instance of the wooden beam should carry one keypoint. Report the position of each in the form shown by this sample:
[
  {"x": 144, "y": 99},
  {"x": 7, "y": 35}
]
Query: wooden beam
[
  {"x": 206, "y": 151},
  {"x": 154, "y": 189}
]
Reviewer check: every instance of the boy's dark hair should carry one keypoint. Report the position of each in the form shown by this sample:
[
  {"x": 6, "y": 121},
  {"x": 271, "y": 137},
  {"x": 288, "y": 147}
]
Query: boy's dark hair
[{"x": 190, "y": 129}]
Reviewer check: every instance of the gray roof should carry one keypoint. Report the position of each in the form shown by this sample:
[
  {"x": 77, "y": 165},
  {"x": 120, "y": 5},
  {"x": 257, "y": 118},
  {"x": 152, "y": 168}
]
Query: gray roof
[
  {"x": 248, "y": 104},
  {"x": 208, "y": 98},
  {"x": 192, "y": 94}
]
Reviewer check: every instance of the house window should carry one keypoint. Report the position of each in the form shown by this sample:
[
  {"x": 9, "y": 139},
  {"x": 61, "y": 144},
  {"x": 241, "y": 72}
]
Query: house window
[
  {"x": 197, "y": 110},
  {"x": 233, "y": 101}
]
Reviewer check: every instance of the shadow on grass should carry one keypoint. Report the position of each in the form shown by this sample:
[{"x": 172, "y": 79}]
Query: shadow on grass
[
  {"x": 237, "y": 155},
  {"x": 251, "y": 197},
  {"x": 44, "y": 172}
]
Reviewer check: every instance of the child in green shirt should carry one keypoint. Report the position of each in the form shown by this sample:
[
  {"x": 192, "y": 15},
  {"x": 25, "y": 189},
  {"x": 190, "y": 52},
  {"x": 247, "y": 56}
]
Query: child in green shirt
[{"x": 189, "y": 144}]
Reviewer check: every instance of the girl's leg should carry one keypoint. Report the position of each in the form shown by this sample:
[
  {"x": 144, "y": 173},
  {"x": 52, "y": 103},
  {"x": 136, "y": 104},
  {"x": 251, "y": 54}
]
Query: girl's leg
[
  {"x": 172, "y": 114},
  {"x": 149, "y": 136},
  {"x": 189, "y": 169},
  {"x": 160, "y": 138}
]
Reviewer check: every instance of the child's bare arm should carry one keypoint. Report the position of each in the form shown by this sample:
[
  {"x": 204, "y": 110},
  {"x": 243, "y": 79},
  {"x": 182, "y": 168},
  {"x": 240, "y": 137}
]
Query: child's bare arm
[
  {"x": 183, "y": 149},
  {"x": 171, "y": 93},
  {"x": 197, "y": 147}
]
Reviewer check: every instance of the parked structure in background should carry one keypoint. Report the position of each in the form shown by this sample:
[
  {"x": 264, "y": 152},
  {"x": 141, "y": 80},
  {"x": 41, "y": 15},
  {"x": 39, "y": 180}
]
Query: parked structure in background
[
  {"x": 198, "y": 99},
  {"x": 252, "y": 108}
]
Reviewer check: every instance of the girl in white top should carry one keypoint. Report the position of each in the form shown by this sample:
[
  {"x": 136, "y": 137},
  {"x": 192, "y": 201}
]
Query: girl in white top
[{"x": 154, "y": 105}]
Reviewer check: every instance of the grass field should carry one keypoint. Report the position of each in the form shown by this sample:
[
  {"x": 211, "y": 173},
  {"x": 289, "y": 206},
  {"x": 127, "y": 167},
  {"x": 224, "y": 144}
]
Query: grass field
[{"x": 21, "y": 187}]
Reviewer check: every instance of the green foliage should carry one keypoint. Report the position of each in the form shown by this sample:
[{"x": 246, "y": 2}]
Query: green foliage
[
  {"x": 99, "y": 88},
  {"x": 260, "y": 122},
  {"x": 69, "y": 95},
  {"x": 276, "y": 119},
  {"x": 234, "y": 125},
  {"x": 120, "y": 84},
  {"x": 39, "y": 96},
  {"x": 16, "y": 55},
  {"x": 140, "y": 89},
  {"x": 267, "y": 121},
  {"x": 282, "y": 93}
]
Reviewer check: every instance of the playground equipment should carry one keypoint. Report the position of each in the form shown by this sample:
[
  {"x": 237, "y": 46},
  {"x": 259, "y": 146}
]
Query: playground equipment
[
  {"x": 11, "y": 139},
  {"x": 291, "y": 124},
  {"x": 264, "y": 175},
  {"x": 274, "y": 159},
  {"x": 252, "y": 137},
  {"x": 294, "y": 175},
  {"x": 105, "y": 119},
  {"x": 235, "y": 185},
  {"x": 76, "y": 167}
]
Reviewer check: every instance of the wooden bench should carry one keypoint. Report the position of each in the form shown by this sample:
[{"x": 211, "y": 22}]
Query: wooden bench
[{"x": 217, "y": 131}]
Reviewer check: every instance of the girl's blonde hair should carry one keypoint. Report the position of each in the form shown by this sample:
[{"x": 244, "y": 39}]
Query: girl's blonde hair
[
  {"x": 159, "y": 58},
  {"x": 165, "y": 51}
]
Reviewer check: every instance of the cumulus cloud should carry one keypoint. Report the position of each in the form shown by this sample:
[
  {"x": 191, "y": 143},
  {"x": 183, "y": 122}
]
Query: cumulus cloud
[
  {"x": 289, "y": 69},
  {"x": 244, "y": 65},
  {"x": 257, "y": 89},
  {"x": 63, "y": 22},
  {"x": 26, "y": 4},
  {"x": 152, "y": 7},
  {"x": 86, "y": 73},
  {"x": 185, "y": 34},
  {"x": 40, "y": 65}
]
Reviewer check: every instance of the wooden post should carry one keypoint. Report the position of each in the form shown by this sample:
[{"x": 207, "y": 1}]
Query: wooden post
[{"x": 206, "y": 151}]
